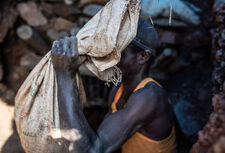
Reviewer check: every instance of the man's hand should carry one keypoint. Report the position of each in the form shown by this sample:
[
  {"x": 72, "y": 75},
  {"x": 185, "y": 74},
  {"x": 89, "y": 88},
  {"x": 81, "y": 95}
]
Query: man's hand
[{"x": 65, "y": 55}]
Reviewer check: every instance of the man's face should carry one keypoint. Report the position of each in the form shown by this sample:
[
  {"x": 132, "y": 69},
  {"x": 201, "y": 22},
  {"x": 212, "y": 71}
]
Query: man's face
[{"x": 129, "y": 62}]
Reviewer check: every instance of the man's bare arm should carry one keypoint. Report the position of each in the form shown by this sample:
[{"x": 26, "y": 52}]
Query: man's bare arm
[
  {"x": 121, "y": 125},
  {"x": 115, "y": 129},
  {"x": 73, "y": 124}
]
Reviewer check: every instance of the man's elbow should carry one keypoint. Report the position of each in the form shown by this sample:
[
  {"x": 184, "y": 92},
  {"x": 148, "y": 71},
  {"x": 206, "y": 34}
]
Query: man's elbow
[{"x": 97, "y": 146}]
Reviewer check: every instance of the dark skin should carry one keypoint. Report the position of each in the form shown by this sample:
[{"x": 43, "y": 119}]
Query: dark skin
[{"x": 146, "y": 111}]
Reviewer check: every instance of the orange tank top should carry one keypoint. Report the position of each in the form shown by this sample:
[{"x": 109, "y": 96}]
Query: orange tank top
[{"x": 139, "y": 143}]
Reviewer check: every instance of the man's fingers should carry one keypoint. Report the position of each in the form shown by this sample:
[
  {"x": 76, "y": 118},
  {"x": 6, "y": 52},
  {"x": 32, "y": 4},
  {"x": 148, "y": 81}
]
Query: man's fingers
[
  {"x": 73, "y": 46},
  {"x": 66, "y": 45},
  {"x": 55, "y": 46},
  {"x": 60, "y": 46}
]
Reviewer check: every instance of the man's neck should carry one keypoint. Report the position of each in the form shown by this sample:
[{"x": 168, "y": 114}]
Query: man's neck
[{"x": 132, "y": 81}]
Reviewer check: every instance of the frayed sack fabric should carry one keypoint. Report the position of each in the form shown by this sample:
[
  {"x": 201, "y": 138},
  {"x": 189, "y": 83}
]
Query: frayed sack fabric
[
  {"x": 36, "y": 110},
  {"x": 100, "y": 42},
  {"x": 106, "y": 35}
]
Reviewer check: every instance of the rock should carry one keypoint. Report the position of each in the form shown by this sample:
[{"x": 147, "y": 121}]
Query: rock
[
  {"x": 181, "y": 11},
  {"x": 86, "y": 2},
  {"x": 91, "y": 9},
  {"x": 62, "y": 24},
  {"x": 16, "y": 77},
  {"x": 31, "y": 14},
  {"x": 74, "y": 31},
  {"x": 188, "y": 117},
  {"x": 165, "y": 22},
  {"x": 47, "y": 9},
  {"x": 7, "y": 21},
  {"x": 168, "y": 51},
  {"x": 32, "y": 38},
  {"x": 69, "y": 2},
  {"x": 65, "y": 10},
  {"x": 29, "y": 60},
  {"x": 164, "y": 59},
  {"x": 211, "y": 138},
  {"x": 1, "y": 72},
  {"x": 63, "y": 34},
  {"x": 82, "y": 21},
  {"x": 52, "y": 35},
  {"x": 218, "y": 3},
  {"x": 6, "y": 94},
  {"x": 24, "y": 32},
  {"x": 3, "y": 88},
  {"x": 158, "y": 74},
  {"x": 168, "y": 37},
  {"x": 178, "y": 65},
  {"x": 197, "y": 38},
  {"x": 219, "y": 147}
]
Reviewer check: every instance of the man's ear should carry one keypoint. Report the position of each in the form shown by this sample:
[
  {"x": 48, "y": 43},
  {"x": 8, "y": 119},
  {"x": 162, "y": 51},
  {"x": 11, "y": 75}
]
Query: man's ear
[{"x": 143, "y": 57}]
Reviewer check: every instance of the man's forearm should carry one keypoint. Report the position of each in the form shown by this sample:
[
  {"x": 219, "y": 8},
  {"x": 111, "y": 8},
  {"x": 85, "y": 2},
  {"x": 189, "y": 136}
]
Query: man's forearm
[{"x": 72, "y": 118}]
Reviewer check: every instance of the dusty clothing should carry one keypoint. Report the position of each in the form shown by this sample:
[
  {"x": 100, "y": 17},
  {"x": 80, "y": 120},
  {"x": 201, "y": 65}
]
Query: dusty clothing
[{"x": 139, "y": 143}]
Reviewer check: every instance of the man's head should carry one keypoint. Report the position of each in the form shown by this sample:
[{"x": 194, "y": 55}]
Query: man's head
[{"x": 136, "y": 57}]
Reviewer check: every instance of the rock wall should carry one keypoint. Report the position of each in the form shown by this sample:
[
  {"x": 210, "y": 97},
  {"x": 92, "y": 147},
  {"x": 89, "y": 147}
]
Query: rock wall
[{"x": 212, "y": 138}]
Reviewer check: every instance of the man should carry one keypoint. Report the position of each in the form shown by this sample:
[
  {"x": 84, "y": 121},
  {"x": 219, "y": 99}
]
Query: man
[{"x": 140, "y": 118}]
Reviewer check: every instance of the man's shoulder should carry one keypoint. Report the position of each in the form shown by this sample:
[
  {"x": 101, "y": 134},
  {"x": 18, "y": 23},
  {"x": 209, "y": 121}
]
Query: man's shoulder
[{"x": 151, "y": 91}]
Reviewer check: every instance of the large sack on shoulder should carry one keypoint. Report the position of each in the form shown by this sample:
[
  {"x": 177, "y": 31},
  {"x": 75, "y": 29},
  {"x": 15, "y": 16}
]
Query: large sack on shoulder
[
  {"x": 37, "y": 113},
  {"x": 106, "y": 35}
]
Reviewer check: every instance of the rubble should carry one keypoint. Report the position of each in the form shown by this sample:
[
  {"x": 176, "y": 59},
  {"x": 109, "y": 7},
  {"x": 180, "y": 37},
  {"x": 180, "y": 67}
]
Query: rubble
[
  {"x": 29, "y": 60},
  {"x": 188, "y": 121},
  {"x": 86, "y": 2},
  {"x": 181, "y": 11},
  {"x": 32, "y": 38},
  {"x": 61, "y": 24},
  {"x": 218, "y": 3},
  {"x": 91, "y": 9},
  {"x": 47, "y": 9},
  {"x": 6, "y": 94},
  {"x": 82, "y": 21},
  {"x": 69, "y": 2},
  {"x": 165, "y": 22},
  {"x": 1, "y": 72},
  {"x": 8, "y": 19},
  {"x": 168, "y": 37},
  {"x": 74, "y": 31},
  {"x": 211, "y": 138},
  {"x": 163, "y": 59},
  {"x": 31, "y": 14},
  {"x": 65, "y": 10},
  {"x": 219, "y": 147},
  {"x": 53, "y": 35}
]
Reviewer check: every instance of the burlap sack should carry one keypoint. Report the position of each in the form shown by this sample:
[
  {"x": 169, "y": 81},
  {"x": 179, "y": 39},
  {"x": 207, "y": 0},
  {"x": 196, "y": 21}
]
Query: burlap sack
[
  {"x": 106, "y": 35},
  {"x": 36, "y": 110}
]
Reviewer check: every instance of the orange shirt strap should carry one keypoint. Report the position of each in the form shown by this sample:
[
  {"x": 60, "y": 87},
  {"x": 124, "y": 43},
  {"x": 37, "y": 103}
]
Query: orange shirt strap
[
  {"x": 120, "y": 91},
  {"x": 116, "y": 98},
  {"x": 144, "y": 82}
]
